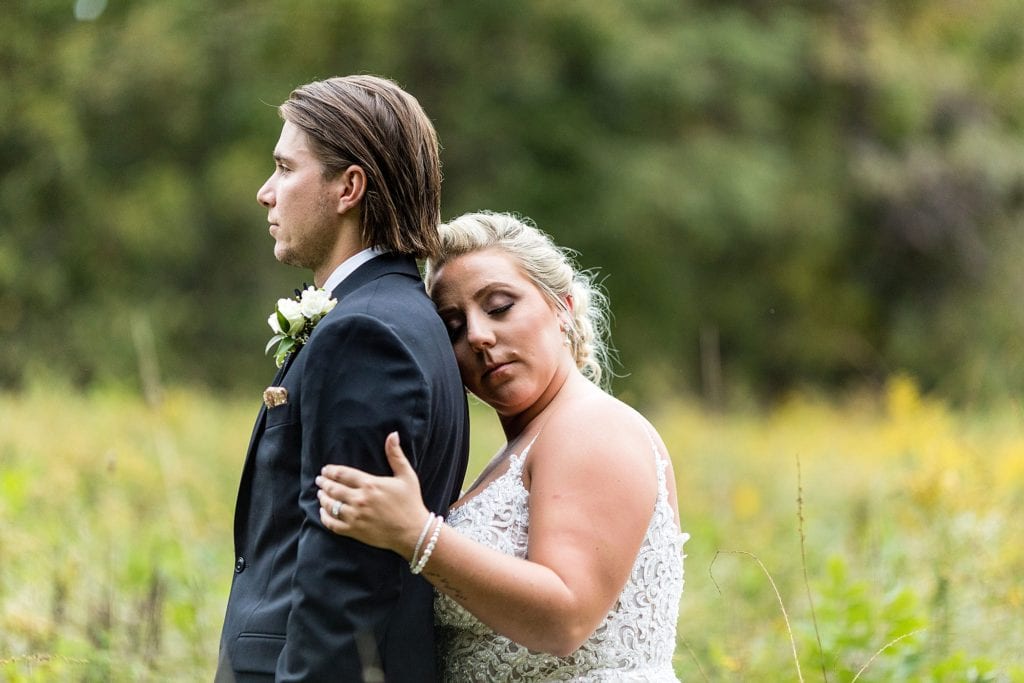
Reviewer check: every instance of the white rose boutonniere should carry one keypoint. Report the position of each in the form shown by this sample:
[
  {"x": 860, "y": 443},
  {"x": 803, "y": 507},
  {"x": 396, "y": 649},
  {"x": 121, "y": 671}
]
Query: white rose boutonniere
[{"x": 293, "y": 320}]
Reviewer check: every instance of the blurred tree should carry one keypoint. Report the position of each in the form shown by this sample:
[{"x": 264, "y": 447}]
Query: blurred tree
[
  {"x": 777, "y": 194},
  {"x": 933, "y": 139}
]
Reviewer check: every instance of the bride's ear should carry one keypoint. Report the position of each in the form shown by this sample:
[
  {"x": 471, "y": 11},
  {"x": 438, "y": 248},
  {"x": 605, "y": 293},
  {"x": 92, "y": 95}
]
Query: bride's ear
[{"x": 565, "y": 313}]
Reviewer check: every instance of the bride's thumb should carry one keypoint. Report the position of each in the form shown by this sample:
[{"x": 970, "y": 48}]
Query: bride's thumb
[{"x": 396, "y": 456}]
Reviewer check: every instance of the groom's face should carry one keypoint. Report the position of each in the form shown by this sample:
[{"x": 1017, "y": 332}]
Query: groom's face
[{"x": 301, "y": 204}]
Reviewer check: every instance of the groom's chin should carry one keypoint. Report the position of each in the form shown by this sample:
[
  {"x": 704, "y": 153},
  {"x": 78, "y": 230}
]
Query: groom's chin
[{"x": 285, "y": 255}]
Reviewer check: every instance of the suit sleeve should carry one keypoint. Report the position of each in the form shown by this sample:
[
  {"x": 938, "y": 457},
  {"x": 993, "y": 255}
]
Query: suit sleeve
[{"x": 359, "y": 382}]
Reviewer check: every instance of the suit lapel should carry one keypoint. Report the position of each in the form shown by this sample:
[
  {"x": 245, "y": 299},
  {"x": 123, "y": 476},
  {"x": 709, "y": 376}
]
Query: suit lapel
[
  {"x": 258, "y": 427},
  {"x": 374, "y": 268},
  {"x": 242, "y": 504}
]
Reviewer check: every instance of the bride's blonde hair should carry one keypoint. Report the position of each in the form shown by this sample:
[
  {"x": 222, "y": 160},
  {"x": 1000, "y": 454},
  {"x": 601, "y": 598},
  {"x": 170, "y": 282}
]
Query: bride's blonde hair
[{"x": 550, "y": 267}]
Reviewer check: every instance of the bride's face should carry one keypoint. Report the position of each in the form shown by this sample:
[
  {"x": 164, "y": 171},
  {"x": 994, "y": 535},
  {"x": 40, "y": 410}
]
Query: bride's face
[{"x": 506, "y": 334}]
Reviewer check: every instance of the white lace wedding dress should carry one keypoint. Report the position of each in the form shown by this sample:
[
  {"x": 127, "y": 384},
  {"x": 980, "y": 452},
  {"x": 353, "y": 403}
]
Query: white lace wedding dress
[{"x": 636, "y": 640}]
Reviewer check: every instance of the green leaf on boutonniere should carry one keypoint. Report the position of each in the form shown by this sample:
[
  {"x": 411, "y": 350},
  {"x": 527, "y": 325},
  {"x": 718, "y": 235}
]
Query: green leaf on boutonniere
[
  {"x": 283, "y": 349},
  {"x": 273, "y": 340}
]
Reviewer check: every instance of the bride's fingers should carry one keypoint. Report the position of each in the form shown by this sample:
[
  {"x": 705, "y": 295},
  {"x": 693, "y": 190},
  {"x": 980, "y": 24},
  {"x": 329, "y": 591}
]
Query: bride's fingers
[
  {"x": 332, "y": 523},
  {"x": 333, "y": 489},
  {"x": 327, "y": 501},
  {"x": 396, "y": 457},
  {"x": 342, "y": 474}
]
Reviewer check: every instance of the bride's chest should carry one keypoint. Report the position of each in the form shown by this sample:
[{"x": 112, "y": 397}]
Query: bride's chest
[{"x": 498, "y": 516}]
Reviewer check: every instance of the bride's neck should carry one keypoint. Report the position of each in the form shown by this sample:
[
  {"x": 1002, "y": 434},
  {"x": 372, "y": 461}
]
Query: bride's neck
[{"x": 516, "y": 425}]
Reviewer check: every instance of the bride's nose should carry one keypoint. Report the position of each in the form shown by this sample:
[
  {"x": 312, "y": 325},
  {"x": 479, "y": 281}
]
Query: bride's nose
[{"x": 479, "y": 334}]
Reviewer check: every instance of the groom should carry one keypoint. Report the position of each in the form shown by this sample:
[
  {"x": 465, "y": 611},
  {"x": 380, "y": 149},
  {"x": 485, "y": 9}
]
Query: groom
[{"x": 355, "y": 197}]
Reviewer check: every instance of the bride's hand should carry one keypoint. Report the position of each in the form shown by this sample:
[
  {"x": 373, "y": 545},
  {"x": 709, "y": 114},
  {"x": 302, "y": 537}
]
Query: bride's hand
[{"x": 385, "y": 512}]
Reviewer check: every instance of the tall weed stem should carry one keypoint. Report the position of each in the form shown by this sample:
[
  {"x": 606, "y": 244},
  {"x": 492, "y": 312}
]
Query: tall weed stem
[{"x": 782, "y": 606}]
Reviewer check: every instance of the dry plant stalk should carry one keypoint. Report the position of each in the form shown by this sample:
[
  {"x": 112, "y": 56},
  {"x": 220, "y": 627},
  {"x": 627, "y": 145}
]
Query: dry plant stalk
[
  {"x": 883, "y": 649},
  {"x": 782, "y": 606},
  {"x": 803, "y": 563},
  {"x": 693, "y": 656},
  {"x": 807, "y": 586}
]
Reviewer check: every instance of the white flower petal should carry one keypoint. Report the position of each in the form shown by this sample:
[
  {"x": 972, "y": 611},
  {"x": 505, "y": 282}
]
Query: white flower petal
[{"x": 272, "y": 321}]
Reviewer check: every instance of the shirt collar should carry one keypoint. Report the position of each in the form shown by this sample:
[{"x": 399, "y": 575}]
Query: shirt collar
[{"x": 348, "y": 266}]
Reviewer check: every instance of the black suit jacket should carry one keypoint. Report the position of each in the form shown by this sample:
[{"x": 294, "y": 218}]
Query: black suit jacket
[{"x": 306, "y": 604}]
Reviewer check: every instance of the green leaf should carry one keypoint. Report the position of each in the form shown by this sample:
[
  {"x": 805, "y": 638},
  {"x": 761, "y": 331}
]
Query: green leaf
[
  {"x": 283, "y": 349},
  {"x": 273, "y": 340}
]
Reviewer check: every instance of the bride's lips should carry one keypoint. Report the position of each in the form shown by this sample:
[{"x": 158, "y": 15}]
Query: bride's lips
[{"x": 496, "y": 368}]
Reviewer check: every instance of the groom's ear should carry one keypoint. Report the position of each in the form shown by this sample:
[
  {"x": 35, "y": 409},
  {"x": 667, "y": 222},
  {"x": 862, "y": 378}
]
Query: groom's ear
[{"x": 351, "y": 186}]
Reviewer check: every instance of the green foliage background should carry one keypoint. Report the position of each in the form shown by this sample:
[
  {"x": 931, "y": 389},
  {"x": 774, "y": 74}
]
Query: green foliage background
[
  {"x": 901, "y": 561},
  {"x": 823, "y": 192},
  {"x": 813, "y": 195}
]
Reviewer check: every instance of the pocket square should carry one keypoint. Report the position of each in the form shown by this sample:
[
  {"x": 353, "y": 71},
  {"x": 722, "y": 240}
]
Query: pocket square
[{"x": 275, "y": 396}]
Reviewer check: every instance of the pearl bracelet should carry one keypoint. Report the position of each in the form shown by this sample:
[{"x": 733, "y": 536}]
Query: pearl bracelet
[
  {"x": 419, "y": 541},
  {"x": 430, "y": 546}
]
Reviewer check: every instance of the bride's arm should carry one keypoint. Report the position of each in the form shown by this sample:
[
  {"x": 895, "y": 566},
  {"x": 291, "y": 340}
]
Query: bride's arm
[{"x": 592, "y": 492}]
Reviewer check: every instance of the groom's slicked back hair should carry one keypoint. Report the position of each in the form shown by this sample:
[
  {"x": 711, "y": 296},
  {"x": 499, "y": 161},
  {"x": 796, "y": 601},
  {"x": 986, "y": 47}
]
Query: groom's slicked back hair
[{"x": 371, "y": 122}]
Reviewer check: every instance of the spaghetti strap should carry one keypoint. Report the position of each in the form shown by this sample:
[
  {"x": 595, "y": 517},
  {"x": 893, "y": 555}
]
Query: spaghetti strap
[
  {"x": 660, "y": 461},
  {"x": 518, "y": 460},
  {"x": 529, "y": 445}
]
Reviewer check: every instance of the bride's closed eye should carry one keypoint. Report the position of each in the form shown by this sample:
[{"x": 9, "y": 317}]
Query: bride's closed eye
[
  {"x": 501, "y": 309},
  {"x": 456, "y": 322},
  {"x": 454, "y": 330}
]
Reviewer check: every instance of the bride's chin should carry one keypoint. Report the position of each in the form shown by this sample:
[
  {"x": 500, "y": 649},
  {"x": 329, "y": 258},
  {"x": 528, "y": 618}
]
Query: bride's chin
[
  {"x": 508, "y": 405},
  {"x": 492, "y": 400}
]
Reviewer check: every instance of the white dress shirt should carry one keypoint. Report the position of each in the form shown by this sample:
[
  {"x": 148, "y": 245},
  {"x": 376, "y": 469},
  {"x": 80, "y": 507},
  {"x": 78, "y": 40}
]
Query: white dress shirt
[{"x": 348, "y": 266}]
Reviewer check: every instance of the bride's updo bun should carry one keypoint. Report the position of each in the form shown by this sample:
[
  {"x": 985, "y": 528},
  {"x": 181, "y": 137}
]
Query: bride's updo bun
[{"x": 550, "y": 267}]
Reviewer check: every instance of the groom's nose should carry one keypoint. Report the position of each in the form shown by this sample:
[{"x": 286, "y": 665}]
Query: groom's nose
[{"x": 265, "y": 195}]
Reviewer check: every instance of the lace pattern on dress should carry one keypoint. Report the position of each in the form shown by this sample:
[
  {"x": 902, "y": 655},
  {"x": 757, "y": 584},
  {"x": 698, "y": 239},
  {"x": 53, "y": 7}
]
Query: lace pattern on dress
[{"x": 636, "y": 640}]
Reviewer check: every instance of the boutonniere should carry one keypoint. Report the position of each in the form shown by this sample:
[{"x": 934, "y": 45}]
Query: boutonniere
[{"x": 293, "y": 320}]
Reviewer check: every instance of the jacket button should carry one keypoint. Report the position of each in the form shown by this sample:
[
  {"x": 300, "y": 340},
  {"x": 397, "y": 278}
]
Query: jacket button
[{"x": 239, "y": 565}]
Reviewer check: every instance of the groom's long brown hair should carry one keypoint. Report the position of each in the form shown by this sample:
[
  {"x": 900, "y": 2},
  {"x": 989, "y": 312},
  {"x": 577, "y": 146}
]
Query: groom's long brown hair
[{"x": 371, "y": 122}]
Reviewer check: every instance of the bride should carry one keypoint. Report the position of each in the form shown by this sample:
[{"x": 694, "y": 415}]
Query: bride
[{"x": 563, "y": 561}]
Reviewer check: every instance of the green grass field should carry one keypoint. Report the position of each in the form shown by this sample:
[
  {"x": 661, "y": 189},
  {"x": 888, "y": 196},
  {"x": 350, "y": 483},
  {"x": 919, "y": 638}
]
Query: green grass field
[{"x": 115, "y": 537}]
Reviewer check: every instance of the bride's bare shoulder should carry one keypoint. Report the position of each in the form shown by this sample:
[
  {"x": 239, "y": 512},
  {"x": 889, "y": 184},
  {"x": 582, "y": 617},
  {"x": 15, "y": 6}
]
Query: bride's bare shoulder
[{"x": 598, "y": 427}]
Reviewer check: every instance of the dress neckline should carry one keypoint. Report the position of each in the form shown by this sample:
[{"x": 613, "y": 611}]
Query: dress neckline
[{"x": 515, "y": 463}]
